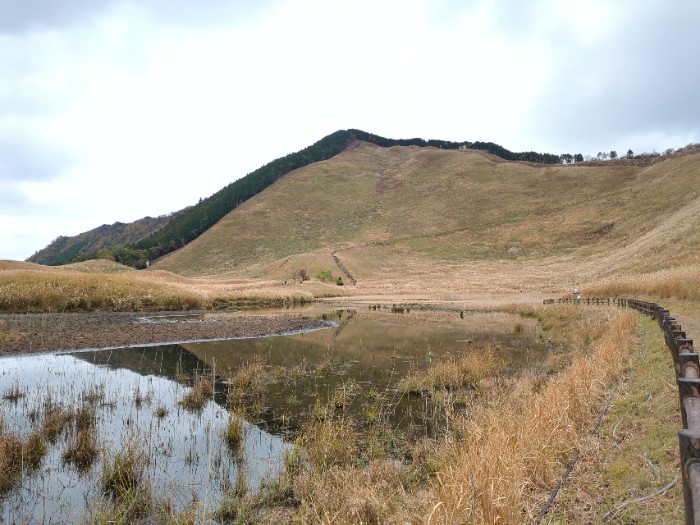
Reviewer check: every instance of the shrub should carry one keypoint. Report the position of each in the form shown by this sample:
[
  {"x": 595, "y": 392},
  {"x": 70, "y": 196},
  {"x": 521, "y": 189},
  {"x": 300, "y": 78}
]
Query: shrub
[{"x": 324, "y": 276}]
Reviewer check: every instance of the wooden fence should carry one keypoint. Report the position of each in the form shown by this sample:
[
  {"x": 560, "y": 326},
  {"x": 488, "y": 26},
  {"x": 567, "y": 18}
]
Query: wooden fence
[
  {"x": 687, "y": 367},
  {"x": 609, "y": 301}
]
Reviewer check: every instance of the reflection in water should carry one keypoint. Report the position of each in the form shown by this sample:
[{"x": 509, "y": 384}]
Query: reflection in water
[
  {"x": 354, "y": 368},
  {"x": 365, "y": 357},
  {"x": 188, "y": 459}
]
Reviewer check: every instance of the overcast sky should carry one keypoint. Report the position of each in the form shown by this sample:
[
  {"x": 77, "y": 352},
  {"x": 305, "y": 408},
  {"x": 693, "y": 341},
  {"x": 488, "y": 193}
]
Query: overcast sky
[{"x": 111, "y": 110}]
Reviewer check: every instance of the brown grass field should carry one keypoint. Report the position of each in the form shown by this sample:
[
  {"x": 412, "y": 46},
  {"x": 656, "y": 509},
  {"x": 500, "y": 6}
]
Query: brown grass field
[{"x": 464, "y": 230}]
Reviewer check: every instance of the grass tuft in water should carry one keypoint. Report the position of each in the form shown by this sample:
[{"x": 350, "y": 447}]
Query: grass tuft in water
[
  {"x": 85, "y": 417},
  {"x": 35, "y": 449},
  {"x": 142, "y": 398},
  {"x": 10, "y": 461},
  {"x": 14, "y": 394},
  {"x": 196, "y": 398},
  {"x": 82, "y": 451},
  {"x": 122, "y": 474},
  {"x": 234, "y": 434},
  {"x": 56, "y": 418}
]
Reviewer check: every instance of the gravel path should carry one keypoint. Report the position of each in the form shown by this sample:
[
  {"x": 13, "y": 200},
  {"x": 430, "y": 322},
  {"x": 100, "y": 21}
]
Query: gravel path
[
  {"x": 691, "y": 326},
  {"x": 21, "y": 333}
]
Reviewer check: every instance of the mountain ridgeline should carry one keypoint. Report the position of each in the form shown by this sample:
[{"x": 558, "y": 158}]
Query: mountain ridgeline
[
  {"x": 103, "y": 239},
  {"x": 189, "y": 223}
]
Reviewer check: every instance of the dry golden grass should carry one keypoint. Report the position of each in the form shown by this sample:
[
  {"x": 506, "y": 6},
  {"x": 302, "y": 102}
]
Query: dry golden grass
[
  {"x": 634, "y": 454},
  {"x": 370, "y": 495},
  {"x": 677, "y": 283},
  {"x": 503, "y": 460},
  {"x": 6, "y": 265},
  {"x": 34, "y": 288},
  {"x": 61, "y": 290},
  {"x": 330, "y": 443}
]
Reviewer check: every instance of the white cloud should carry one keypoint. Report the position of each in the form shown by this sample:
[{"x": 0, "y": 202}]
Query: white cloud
[{"x": 125, "y": 109}]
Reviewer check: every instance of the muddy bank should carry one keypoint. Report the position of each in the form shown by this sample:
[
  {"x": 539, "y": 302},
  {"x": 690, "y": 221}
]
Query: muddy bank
[{"x": 21, "y": 333}]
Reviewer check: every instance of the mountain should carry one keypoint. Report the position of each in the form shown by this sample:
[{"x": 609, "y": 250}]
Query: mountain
[
  {"x": 106, "y": 237},
  {"x": 407, "y": 213},
  {"x": 189, "y": 223}
]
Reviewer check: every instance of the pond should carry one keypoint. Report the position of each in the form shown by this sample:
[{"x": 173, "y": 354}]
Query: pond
[{"x": 271, "y": 385}]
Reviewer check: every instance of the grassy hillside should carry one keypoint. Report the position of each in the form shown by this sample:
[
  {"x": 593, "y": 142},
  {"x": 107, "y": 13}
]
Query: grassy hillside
[
  {"x": 187, "y": 224},
  {"x": 405, "y": 214}
]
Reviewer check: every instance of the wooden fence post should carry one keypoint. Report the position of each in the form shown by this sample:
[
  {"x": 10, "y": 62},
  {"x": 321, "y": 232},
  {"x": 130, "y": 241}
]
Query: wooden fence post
[{"x": 689, "y": 444}]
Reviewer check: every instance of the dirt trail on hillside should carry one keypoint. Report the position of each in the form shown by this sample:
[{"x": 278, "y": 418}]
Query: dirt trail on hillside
[
  {"x": 23, "y": 333},
  {"x": 343, "y": 269}
]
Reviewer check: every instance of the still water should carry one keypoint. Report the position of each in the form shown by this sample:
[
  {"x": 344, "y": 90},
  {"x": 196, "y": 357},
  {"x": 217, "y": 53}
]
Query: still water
[{"x": 354, "y": 366}]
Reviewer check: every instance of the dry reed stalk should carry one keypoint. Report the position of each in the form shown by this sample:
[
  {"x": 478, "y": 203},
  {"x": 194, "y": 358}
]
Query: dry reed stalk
[{"x": 509, "y": 454}]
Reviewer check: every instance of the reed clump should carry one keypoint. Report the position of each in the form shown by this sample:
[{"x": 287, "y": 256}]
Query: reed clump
[
  {"x": 329, "y": 443},
  {"x": 35, "y": 448},
  {"x": 250, "y": 379},
  {"x": 56, "y": 418},
  {"x": 200, "y": 393},
  {"x": 234, "y": 433},
  {"x": 10, "y": 461},
  {"x": 82, "y": 450},
  {"x": 123, "y": 473},
  {"x": 454, "y": 373}
]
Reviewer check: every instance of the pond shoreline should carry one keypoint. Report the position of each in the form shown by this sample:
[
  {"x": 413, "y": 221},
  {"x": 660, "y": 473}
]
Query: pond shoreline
[{"x": 31, "y": 333}]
